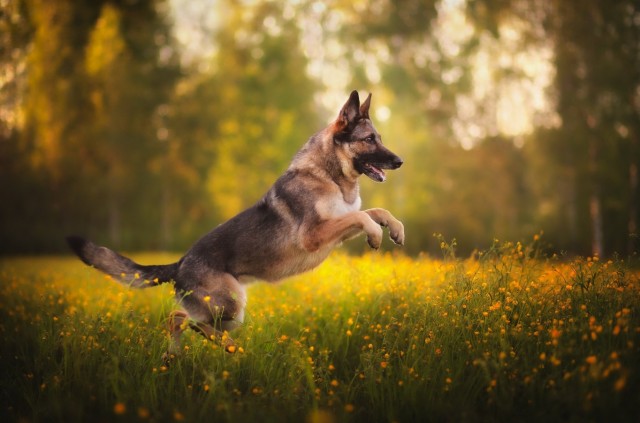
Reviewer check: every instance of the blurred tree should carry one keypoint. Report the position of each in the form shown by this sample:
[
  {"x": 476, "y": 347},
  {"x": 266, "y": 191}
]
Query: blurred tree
[
  {"x": 107, "y": 66},
  {"x": 15, "y": 35},
  {"x": 56, "y": 105},
  {"x": 51, "y": 110},
  {"x": 102, "y": 134},
  {"x": 97, "y": 73},
  {"x": 598, "y": 82},
  {"x": 260, "y": 100},
  {"x": 594, "y": 154},
  {"x": 132, "y": 69}
]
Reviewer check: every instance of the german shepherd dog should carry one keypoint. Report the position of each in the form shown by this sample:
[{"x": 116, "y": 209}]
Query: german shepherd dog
[{"x": 311, "y": 208}]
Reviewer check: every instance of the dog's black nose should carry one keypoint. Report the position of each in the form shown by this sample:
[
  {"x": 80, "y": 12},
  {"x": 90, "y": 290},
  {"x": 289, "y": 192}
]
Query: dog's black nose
[{"x": 397, "y": 162}]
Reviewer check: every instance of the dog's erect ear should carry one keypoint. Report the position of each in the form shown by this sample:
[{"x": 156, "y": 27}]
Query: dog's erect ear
[
  {"x": 364, "y": 109},
  {"x": 350, "y": 111}
]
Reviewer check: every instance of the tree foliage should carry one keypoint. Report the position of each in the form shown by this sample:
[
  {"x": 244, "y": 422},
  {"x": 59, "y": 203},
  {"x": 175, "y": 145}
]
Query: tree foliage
[{"x": 513, "y": 117}]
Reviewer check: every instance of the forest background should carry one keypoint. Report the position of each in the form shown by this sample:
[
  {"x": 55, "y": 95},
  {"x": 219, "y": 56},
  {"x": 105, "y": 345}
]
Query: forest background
[{"x": 145, "y": 123}]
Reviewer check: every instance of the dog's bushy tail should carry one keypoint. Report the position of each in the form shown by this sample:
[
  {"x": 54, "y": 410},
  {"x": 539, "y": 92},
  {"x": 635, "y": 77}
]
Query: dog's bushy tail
[{"x": 119, "y": 267}]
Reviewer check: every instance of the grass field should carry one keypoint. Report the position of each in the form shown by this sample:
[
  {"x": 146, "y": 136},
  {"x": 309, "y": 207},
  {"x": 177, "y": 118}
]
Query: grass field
[{"x": 502, "y": 336}]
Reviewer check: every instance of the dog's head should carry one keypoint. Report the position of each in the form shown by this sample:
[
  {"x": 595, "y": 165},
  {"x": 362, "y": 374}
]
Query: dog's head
[{"x": 358, "y": 143}]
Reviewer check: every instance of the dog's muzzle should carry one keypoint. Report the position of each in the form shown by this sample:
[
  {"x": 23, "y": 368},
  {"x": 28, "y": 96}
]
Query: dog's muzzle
[{"x": 374, "y": 168}]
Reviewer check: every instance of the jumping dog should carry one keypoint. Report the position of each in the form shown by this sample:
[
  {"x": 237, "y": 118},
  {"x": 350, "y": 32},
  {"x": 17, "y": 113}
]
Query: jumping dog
[{"x": 313, "y": 207}]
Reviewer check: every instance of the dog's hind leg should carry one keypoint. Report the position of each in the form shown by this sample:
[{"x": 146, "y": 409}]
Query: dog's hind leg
[
  {"x": 177, "y": 323},
  {"x": 215, "y": 307}
]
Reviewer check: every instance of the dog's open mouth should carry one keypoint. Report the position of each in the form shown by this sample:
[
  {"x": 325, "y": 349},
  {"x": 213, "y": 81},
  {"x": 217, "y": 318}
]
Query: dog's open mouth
[
  {"x": 372, "y": 165},
  {"x": 374, "y": 172}
]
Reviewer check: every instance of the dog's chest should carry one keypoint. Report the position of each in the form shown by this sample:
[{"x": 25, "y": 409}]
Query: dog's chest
[{"x": 337, "y": 205}]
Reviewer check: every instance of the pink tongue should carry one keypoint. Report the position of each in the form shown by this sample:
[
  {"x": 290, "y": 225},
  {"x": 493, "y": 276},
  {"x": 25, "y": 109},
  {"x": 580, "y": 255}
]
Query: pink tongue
[{"x": 379, "y": 172}]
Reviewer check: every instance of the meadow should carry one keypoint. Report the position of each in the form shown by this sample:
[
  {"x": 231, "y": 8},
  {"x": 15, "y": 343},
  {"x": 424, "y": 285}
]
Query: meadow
[{"x": 505, "y": 335}]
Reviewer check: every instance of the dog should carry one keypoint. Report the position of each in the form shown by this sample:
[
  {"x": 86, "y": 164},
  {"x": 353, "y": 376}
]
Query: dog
[{"x": 313, "y": 207}]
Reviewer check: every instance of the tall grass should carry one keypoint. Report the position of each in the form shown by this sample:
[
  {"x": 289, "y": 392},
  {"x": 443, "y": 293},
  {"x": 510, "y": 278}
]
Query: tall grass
[{"x": 504, "y": 335}]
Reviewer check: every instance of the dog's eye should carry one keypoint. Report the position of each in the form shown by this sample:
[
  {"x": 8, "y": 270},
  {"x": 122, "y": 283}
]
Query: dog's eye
[{"x": 370, "y": 138}]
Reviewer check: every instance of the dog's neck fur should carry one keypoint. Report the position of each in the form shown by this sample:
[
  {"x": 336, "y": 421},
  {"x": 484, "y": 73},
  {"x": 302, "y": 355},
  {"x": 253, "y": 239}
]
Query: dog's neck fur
[{"x": 318, "y": 157}]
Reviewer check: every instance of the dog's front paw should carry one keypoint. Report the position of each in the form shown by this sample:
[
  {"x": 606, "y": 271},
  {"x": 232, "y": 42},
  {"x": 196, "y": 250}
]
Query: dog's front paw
[
  {"x": 374, "y": 237},
  {"x": 396, "y": 232}
]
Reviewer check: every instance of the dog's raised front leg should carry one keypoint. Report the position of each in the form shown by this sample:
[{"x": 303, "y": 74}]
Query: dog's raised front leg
[
  {"x": 385, "y": 218},
  {"x": 333, "y": 231}
]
